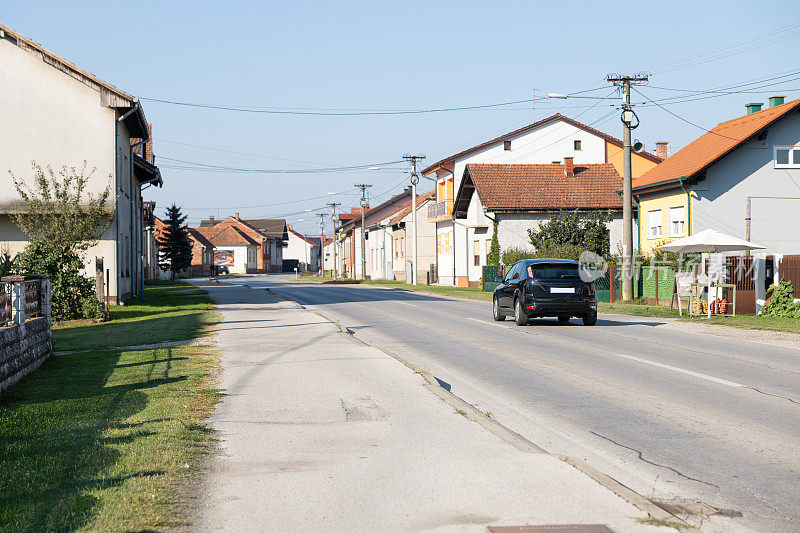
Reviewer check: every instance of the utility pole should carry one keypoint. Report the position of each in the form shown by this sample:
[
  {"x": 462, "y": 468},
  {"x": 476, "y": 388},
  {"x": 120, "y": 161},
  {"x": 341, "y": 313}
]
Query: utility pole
[
  {"x": 414, "y": 181},
  {"x": 628, "y": 116},
  {"x": 363, "y": 187},
  {"x": 334, "y": 243},
  {"x": 321, "y": 241}
]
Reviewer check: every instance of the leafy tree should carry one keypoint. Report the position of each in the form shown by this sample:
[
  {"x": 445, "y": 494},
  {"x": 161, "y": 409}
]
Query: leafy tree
[
  {"x": 58, "y": 213},
  {"x": 62, "y": 221},
  {"x": 175, "y": 252},
  {"x": 572, "y": 233},
  {"x": 493, "y": 257}
]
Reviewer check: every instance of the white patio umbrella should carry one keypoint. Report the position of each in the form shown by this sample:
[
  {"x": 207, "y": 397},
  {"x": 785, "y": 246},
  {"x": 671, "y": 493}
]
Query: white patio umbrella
[{"x": 709, "y": 241}]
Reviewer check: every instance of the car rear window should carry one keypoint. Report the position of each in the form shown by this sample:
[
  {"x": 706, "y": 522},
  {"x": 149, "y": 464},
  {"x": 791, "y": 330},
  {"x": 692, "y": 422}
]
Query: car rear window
[{"x": 554, "y": 271}]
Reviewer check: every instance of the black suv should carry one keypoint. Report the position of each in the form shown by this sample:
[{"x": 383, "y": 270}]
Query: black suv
[{"x": 546, "y": 287}]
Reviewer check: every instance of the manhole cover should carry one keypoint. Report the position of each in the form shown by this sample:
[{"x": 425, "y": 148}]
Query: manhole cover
[{"x": 566, "y": 528}]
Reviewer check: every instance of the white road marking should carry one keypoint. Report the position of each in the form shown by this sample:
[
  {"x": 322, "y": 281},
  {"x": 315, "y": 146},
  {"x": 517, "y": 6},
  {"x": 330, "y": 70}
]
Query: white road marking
[
  {"x": 683, "y": 371},
  {"x": 405, "y": 303},
  {"x": 485, "y": 322}
]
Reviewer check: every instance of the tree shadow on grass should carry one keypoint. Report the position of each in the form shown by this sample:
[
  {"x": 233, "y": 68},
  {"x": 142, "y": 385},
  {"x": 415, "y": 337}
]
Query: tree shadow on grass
[
  {"x": 53, "y": 455},
  {"x": 179, "y": 326}
]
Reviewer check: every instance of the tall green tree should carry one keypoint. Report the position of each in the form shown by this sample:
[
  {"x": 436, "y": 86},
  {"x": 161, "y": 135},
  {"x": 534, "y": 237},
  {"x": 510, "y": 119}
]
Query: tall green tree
[
  {"x": 62, "y": 221},
  {"x": 493, "y": 257},
  {"x": 175, "y": 253}
]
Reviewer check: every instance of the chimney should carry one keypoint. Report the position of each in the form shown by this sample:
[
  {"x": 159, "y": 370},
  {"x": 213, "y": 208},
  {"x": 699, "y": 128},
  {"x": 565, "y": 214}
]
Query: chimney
[
  {"x": 776, "y": 100},
  {"x": 661, "y": 149},
  {"x": 753, "y": 107},
  {"x": 211, "y": 218},
  {"x": 236, "y": 215},
  {"x": 569, "y": 168}
]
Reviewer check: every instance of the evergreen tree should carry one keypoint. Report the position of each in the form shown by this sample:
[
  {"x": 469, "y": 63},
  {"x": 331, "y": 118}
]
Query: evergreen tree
[
  {"x": 493, "y": 257},
  {"x": 175, "y": 252}
]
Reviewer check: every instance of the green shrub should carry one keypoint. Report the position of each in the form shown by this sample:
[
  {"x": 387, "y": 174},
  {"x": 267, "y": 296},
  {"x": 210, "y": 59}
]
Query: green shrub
[
  {"x": 782, "y": 302},
  {"x": 512, "y": 255},
  {"x": 572, "y": 230},
  {"x": 73, "y": 293}
]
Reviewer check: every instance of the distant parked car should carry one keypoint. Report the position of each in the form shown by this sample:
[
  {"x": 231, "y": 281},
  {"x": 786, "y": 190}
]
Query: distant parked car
[
  {"x": 222, "y": 269},
  {"x": 545, "y": 287}
]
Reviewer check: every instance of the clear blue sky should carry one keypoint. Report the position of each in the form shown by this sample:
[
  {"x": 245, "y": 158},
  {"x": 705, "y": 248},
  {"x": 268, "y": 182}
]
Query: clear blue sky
[{"x": 382, "y": 55}]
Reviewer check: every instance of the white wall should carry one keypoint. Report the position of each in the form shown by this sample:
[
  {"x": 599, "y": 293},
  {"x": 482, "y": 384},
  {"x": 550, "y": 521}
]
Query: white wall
[
  {"x": 719, "y": 202},
  {"x": 56, "y": 120},
  {"x": 301, "y": 250},
  {"x": 545, "y": 144}
]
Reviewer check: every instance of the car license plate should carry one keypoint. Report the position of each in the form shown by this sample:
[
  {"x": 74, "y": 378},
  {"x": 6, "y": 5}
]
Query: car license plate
[{"x": 563, "y": 290}]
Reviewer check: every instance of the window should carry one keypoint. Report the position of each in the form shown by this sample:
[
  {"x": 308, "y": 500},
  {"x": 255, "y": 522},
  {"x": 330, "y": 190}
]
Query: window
[
  {"x": 506, "y": 145},
  {"x": 488, "y": 248},
  {"x": 786, "y": 157},
  {"x": 476, "y": 253},
  {"x": 654, "y": 224},
  {"x": 677, "y": 222},
  {"x": 577, "y": 145}
]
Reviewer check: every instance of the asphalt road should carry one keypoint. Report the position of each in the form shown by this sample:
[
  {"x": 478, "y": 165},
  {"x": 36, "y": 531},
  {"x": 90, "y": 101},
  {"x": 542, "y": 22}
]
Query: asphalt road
[{"x": 675, "y": 415}]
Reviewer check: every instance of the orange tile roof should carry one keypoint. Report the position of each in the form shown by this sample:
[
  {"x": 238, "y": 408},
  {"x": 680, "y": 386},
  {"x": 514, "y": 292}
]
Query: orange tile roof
[
  {"x": 552, "y": 118},
  {"x": 200, "y": 238},
  {"x": 538, "y": 187},
  {"x": 712, "y": 146},
  {"x": 406, "y": 209},
  {"x": 227, "y": 236}
]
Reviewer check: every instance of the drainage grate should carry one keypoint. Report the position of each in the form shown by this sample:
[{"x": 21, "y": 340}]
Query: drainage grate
[{"x": 567, "y": 528}]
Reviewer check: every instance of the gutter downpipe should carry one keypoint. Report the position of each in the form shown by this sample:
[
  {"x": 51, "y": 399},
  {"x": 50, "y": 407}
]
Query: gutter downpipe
[{"x": 688, "y": 205}]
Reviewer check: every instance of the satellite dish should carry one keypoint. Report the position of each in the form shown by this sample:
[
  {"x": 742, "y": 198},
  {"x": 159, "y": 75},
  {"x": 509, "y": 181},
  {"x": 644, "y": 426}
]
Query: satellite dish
[{"x": 637, "y": 146}]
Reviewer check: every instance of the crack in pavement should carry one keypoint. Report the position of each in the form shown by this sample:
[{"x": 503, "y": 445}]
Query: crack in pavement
[
  {"x": 774, "y": 395},
  {"x": 641, "y": 458}
]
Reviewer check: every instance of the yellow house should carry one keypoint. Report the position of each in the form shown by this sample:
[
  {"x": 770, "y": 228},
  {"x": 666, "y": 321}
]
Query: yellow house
[{"x": 710, "y": 183}]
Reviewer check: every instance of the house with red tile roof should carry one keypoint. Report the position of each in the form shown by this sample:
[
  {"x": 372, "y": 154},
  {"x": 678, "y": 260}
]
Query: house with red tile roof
[
  {"x": 233, "y": 248},
  {"x": 521, "y": 197},
  {"x": 390, "y": 241},
  {"x": 349, "y": 233},
  {"x": 741, "y": 177},
  {"x": 270, "y": 234},
  {"x": 543, "y": 142}
]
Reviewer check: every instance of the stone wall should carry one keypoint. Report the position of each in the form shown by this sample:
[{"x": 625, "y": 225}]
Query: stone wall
[{"x": 25, "y": 343}]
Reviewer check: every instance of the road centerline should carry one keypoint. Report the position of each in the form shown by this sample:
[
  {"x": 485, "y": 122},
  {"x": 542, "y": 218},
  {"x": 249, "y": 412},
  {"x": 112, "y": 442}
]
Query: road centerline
[{"x": 682, "y": 371}]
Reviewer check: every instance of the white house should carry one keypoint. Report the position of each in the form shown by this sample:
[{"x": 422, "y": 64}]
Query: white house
[
  {"x": 59, "y": 115},
  {"x": 543, "y": 142},
  {"x": 304, "y": 250},
  {"x": 233, "y": 248},
  {"x": 521, "y": 197}
]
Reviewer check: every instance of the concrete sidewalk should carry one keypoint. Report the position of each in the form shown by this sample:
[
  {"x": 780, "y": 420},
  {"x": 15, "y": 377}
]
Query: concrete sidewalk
[{"x": 322, "y": 433}]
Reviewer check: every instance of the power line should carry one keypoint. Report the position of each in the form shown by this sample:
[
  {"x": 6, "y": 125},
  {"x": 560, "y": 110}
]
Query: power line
[
  {"x": 294, "y": 111},
  {"x": 205, "y": 167},
  {"x": 683, "y": 119},
  {"x": 774, "y": 36}
]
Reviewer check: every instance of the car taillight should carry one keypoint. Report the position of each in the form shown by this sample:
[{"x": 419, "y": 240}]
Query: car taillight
[{"x": 531, "y": 306}]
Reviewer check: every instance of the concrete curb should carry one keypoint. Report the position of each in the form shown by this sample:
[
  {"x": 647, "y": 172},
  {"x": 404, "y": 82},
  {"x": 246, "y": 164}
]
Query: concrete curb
[{"x": 470, "y": 412}]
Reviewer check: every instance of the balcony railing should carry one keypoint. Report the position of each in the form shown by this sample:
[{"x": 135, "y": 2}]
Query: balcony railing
[{"x": 440, "y": 210}]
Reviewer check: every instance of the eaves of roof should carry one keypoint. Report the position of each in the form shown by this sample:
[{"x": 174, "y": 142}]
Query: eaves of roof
[{"x": 552, "y": 118}]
